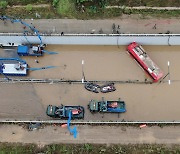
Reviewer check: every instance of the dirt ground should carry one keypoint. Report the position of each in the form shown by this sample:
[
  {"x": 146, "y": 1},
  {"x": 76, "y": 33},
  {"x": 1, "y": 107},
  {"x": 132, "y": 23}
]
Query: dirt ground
[
  {"x": 156, "y": 102},
  {"x": 92, "y": 134}
]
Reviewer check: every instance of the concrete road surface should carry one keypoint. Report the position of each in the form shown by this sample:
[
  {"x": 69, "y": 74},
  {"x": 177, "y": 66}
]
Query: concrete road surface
[{"x": 92, "y": 134}]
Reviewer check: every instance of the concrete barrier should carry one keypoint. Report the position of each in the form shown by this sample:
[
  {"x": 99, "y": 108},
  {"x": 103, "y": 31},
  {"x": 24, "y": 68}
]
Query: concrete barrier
[{"x": 92, "y": 39}]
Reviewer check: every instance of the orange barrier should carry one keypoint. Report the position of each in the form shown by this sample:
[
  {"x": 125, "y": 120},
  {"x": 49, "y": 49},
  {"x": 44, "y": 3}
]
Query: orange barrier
[
  {"x": 64, "y": 125},
  {"x": 142, "y": 126}
]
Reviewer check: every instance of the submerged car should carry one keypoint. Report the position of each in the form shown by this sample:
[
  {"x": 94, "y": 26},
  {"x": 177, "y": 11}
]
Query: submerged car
[
  {"x": 92, "y": 87},
  {"x": 107, "y": 88}
]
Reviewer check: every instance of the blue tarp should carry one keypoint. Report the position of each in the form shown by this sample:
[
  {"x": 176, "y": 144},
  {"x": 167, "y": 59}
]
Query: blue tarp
[
  {"x": 116, "y": 110},
  {"x": 74, "y": 130},
  {"x": 22, "y": 50}
]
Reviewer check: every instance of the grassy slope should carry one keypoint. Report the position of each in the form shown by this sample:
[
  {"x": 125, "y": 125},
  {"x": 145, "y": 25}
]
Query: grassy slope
[
  {"x": 91, "y": 10},
  {"x": 88, "y": 149}
]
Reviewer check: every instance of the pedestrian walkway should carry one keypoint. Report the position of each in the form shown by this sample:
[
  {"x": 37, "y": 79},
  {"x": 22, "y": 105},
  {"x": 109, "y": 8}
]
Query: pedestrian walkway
[
  {"x": 93, "y": 134},
  {"x": 126, "y": 24},
  {"x": 144, "y": 7}
]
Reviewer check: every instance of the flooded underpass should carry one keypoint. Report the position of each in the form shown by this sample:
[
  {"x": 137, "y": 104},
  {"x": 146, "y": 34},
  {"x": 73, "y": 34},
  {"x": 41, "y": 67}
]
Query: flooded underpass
[{"x": 144, "y": 102}]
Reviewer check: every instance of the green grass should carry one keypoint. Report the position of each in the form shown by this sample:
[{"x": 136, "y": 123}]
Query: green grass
[{"x": 6, "y": 148}]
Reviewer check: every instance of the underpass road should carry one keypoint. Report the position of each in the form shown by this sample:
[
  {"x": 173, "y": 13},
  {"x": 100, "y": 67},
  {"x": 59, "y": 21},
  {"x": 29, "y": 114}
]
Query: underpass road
[{"x": 156, "y": 102}]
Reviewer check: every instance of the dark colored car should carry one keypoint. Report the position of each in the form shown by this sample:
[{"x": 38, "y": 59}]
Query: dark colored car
[{"x": 92, "y": 87}]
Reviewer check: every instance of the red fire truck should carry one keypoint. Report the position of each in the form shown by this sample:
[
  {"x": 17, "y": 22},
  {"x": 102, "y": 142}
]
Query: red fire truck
[{"x": 139, "y": 54}]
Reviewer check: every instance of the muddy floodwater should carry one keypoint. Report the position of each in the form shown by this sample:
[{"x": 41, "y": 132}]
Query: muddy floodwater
[{"x": 151, "y": 102}]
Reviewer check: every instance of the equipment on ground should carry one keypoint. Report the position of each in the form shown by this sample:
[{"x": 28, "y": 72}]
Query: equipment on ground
[
  {"x": 63, "y": 112},
  {"x": 107, "y": 106}
]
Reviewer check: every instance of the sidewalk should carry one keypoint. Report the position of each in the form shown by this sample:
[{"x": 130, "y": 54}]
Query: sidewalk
[
  {"x": 144, "y": 7},
  {"x": 126, "y": 24},
  {"x": 92, "y": 134}
]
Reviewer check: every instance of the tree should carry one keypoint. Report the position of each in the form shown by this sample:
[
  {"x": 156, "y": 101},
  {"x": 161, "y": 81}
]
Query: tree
[
  {"x": 3, "y": 4},
  {"x": 55, "y": 3}
]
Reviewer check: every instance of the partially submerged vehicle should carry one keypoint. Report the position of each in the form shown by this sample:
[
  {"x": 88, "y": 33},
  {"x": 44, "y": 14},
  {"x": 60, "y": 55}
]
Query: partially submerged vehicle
[
  {"x": 13, "y": 67},
  {"x": 17, "y": 67},
  {"x": 77, "y": 112},
  {"x": 140, "y": 55},
  {"x": 91, "y": 87},
  {"x": 107, "y": 88},
  {"x": 107, "y": 106},
  {"x": 96, "y": 88},
  {"x": 30, "y": 50}
]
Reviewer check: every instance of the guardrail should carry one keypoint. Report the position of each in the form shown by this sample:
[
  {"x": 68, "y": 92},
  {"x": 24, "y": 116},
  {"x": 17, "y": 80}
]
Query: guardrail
[
  {"x": 88, "y": 122},
  {"x": 55, "y": 81}
]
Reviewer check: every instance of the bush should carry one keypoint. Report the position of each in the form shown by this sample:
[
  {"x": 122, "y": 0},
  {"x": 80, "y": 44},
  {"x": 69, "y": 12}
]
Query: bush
[
  {"x": 66, "y": 7},
  {"x": 55, "y": 3},
  {"x": 3, "y": 4},
  {"x": 29, "y": 7}
]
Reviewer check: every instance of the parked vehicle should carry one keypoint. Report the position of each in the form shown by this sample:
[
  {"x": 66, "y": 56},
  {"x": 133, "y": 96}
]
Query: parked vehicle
[
  {"x": 77, "y": 112},
  {"x": 107, "y": 88},
  {"x": 107, "y": 106}
]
